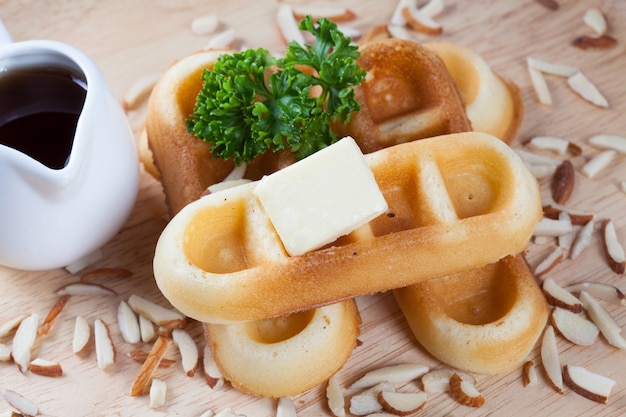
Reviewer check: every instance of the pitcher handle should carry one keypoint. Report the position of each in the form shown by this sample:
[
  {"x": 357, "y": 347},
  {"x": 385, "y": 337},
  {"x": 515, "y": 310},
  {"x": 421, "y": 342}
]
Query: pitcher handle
[{"x": 5, "y": 36}]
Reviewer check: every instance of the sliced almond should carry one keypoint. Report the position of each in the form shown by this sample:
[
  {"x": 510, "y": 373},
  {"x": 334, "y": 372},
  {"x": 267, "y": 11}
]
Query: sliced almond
[
  {"x": 565, "y": 242},
  {"x": 82, "y": 333},
  {"x": 287, "y": 25},
  {"x": 560, "y": 297},
  {"x": 613, "y": 248},
  {"x": 607, "y": 325},
  {"x": 438, "y": 381},
  {"x": 602, "y": 291},
  {"x": 595, "y": 20},
  {"x": 529, "y": 373},
  {"x": 143, "y": 378},
  {"x": 598, "y": 163},
  {"x": 285, "y": 408},
  {"x": 50, "y": 318},
  {"x": 335, "y": 398},
  {"x": 574, "y": 327},
  {"x": 540, "y": 86},
  {"x": 188, "y": 351},
  {"x": 392, "y": 373},
  {"x": 551, "y": 68},
  {"x": 563, "y": 182},
  {"x": 20, "y": 403},
  {"x": 146, "y": 329},
  {"x": 588, "y": 384},
  {"x": 158, "y": 393},
  {"x": 367, "y": 401},
  {"x": 23, "y": 341},
  {"x": 5, "y": 353},
  {"x": 105, "y": 349},
  {"x": 552, "y": 227},
  {"x": 532, "y": 158},
  {"x": 594, "y": 41},
  {"x": 402, "y": 403},
  {"x": 205, "y": 25},
  {"x": 551, "y": 143},
  {"x": 9, "y": 325},
  {"x": 140, "y": 356},
  {"x": 587, "y": 90},
  {"x": 550, "y": 359},
  {"x": 549, "y": 262},
  {"x": 582, "y": 240},
  {"x": 159, "y": 315},
  {"x": 317, "y": 11},
  {"x": 604, "y": 141},
  {"x": 139, "y": 91},
  {"x": 212, "y": 373},
  {"x": 85, "y": 288},
  {"x": 420, "y": 22},
  {"x": 84, "y": 261},
  {"x": 108, "y": 273},
  {"x": 45, "y": 368},
  {"x": 578, "y": 218},
  {"x": 128, "y": 323},
  {"x": 464, "y": 392},
  {"x": 221, "y": 40}
]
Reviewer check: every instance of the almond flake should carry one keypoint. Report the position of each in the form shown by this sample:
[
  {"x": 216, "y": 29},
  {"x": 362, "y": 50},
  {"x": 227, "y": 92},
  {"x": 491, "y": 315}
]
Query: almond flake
[
  {"x": 335, "y": 398},
  {"x": 529, "y": 373},
  {"x": 392, "y": 373},
  {"x": 212, "y": 373},
  {"x": 552, "y": 227},
  {"x": 84, "y": 261},
  {"x": 140, "y": 356},
  {"x": 598, "y": 163},
  {"x": 161, "y": 316},
  {"x": 582, "y": 240},
  {"x": 5, "y": 353},
  {"x": 85, "y": 288},
  {"x": 557, "y": 296},
  {"x": 20, "y": 403},
  {"x": 146, "y": 329},
  {"x": 588, "y": 384},
  {"x": 23, "y": 341},
  {"x": 540, "y": 86},
  {"x": 285, "y": 408},
  {"x": 56, "y": 309},
  {"x": 8, "y": 325},
  {"x": 438, "y": 381},
  {"x": 105, "y": 273},
  {"x": 613, "y": 248},
  {"x": 549, "y": 262},
  {"x": 421, "y": 22},
  {"x": 550, "y": 359},
  {"x": 607, "y": 325},
  {"x": 595, "y": 20},
  {"x": 45, "y": 368},
  {"x": 367, "y": 401},
  {"x": 81, "y": 336},
  {"x": 128, "y": 323},
  {"x": 533, "y": 158},
  {"x": 105, "y": 350},
  {"x": 139, "y": 91},
  {"x": 552, "y": 143},
  {"x": 587, "y": 90},
  {"x": 574, "y": 327},
  {"x": 606, "y": 292},
  {"x": 464, "y": 392},
  {"x": 551, "y": 68},
  {"x": 578, "y": 218},
  {"x": 158, "y": 392},
  {"x": 604, "y": 141},
  {"x": 205, "y": 25},
  {"x": 188, "y": 351},
  {"x": 143, "y": 378},
  {"x": 288, "y": 26},
  {"x": 402, "y": 403}
]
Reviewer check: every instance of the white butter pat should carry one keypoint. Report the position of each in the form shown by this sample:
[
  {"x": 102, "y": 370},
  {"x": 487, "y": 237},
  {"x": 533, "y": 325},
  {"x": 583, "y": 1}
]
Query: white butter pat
[{"x": 321, "y": 198}]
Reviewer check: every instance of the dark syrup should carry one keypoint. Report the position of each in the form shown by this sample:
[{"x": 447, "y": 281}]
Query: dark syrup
[{"x": 39, "y": 110}]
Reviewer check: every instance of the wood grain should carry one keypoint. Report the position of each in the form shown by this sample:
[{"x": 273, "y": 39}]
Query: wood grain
[{"x": 131, "y": 39}]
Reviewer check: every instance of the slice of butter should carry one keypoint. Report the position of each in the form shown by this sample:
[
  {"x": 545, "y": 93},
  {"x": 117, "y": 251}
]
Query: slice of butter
[{"x": 321, "y": 198}]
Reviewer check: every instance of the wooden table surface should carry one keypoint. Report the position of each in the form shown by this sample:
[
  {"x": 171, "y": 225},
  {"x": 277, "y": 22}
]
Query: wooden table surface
[{"x": 131, "y": 39}]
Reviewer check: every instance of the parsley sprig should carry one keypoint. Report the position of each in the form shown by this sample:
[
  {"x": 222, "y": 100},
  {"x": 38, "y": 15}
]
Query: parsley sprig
[{"x": 252, "y": 102}]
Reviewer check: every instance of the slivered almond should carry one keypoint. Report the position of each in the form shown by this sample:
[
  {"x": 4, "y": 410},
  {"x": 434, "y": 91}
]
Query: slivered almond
[
  {"x": 439, "y": 380},
  {"x": 582, "y": 240},
  {"x": 144, "y": 376},
  {"x": 533, "y": 158},
  {"x": 107, "y": 273},
  {"x": 84, "y": 261},
  {"x": 397, "y": 18},
  {"x": 598, "y": 163},
  {"x": 587, "y": 90},
  {"x": 23, "y": 341},
  {"x": 595, "y": 20},
  {"x": 5, "y": 353},
  {"x": 139, "y": 91},
  {"x": 20, "y": 403},
  {"x": 565, "y": 241},
  {"x": 8, "y": 325},
  {"x": 550, "y": 359},
  {"x": 205, "y": 25},
  {"x": 557, "y": 296},
  {"x": 392, "y": 373},
  {"x": 140, "y": 356},
  {"x": 433, "y": 8},
  {"x": 82, "y": 333},
  {"x": 287, "y": 25},
  {"x": 159, "y": 315},
  {"x": 105, "y": 349},
  {"x": 574, "y": 327},
  {"x": 540, "y": 86},
  {"x": 285, "y": 408},
  {"x": 551, "y": 68},
  {"x": 554, "y": 143},
  {"x": 607, "y": 325},
  {"x": 578, "y": 218},
  {"x": 549, "y": 262},
  {"x": 85, "y": 288},
  {"x": 600, "y": 290},
  {"x": 400, "y": 32},
  {"x": 420, "y": 22},
  {"x": 367, "y": 401},
  {"x": 402, "y": 403},
  {"x": 529, "y": 373},
  {"x": 128, "y": 323},
  {"x": 588, "y": 384},
  {"x": 335, "y": 398},
  {"x": 50, "y": 318},
  {"x": 594, "y": 42},
  {"x": 221, "y": 40},
  {"x": 158, "y": 393},
  {"x": 604, "y": 141},
  {"x": 613, "y": 248},
  {"x": 146, "y": 329},
  {"x": 464, "y": 392},
  {"x": 188, "y": 351},
  {"x": 563, "y": 182},
  {"x": 552, "y": 227},
  {"x": 317, "y": 11},
  {"x": 212, "y": 373},
  {"x": 45, "y": 368}
]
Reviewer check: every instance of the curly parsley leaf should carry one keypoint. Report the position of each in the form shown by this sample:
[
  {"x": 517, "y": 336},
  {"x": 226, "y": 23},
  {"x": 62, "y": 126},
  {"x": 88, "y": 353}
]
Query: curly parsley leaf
[{"x": 251, "y": 102}]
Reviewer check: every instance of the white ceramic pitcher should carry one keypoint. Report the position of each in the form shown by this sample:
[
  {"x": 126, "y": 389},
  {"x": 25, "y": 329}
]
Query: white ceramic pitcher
[{"x": 49, "y": 217}]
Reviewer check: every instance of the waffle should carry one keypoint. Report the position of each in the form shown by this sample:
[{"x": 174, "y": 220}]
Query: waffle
[{"x": 457, "y": 202}]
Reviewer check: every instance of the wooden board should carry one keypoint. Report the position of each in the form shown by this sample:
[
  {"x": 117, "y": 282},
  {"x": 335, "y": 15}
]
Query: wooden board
[{"x": 133, "y": 39}]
